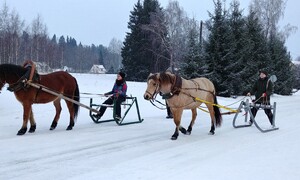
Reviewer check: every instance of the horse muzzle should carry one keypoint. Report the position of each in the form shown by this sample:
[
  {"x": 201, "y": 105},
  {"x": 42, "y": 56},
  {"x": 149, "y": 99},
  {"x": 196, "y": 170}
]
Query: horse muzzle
[{"x": 147, "y": 96}]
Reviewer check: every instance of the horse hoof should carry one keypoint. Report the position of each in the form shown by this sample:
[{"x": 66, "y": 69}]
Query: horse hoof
[
  {"x": 173, "y": 138},
  {"x": 22, "y": 131},
  {"x": 182, "y": 130},
  {"x": 32, "y": 129},
  {"x": 53, "y": 125},
  {"x": 69, "y": 128},
  {"x": 188, "y": 133},
  {"x": 211, "y": 133}
]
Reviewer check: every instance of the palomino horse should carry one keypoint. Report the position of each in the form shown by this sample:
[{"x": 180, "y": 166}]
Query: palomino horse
[
  {"x": 181, "y": 94},
  {"x": 60, "y": 82}
]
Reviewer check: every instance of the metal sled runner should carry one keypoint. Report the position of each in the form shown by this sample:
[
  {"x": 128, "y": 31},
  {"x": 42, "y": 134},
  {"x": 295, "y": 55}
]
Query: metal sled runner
[
  {"x": 247, "y": 108},
  {"x": 129, "y": 102}
]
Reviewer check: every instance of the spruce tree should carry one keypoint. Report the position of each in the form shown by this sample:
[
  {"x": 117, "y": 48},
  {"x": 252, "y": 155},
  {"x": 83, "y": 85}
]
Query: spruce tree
[
  {"x": 138, "y": 59},
  {"x": 132, "y": 45},
  {"x": 192, "y": 66},
  {"x": 237, "y": 50},
  {"x": 282, "y": 67},
  {"x": 217, "y": 50},
  {"x": 256, "y": 55}
]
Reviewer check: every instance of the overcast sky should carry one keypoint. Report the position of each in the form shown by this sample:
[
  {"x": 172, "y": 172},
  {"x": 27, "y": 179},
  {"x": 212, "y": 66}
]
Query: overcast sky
[{"x": 98, "y": 21}]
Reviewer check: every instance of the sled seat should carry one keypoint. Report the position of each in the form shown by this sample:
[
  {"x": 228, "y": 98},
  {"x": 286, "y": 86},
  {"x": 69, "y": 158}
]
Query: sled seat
[
  {"x": 246, "y": 106},
  {"x": 128, "y": 103}
]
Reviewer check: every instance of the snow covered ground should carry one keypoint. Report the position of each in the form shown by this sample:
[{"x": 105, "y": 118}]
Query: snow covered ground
[{"x": 145, "y": 151}]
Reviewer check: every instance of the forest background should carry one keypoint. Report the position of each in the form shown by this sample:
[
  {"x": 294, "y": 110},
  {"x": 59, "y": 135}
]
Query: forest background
[{"x": 229, "y": 48}]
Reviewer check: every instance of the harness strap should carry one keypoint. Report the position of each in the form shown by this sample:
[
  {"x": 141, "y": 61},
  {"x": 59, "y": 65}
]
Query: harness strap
[
  {"x": 177, "y": 85},
  {"x": 196, "y": 84},
  {"x": 37, "y": 93},
  {"x": 220, "y": 106},
  {"x": 157, "y": 106}
]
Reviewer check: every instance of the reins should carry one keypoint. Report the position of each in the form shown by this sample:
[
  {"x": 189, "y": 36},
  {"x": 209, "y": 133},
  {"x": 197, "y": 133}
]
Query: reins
[
  {"x": 152, "y": 102},
  {"x": 195, "y": 99}
]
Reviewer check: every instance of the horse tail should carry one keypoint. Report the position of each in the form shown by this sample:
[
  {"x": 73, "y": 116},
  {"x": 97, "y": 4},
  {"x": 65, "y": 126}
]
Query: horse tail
[
  {"x": 76, "y": 97},
  {"x": 218, "y": 115}
]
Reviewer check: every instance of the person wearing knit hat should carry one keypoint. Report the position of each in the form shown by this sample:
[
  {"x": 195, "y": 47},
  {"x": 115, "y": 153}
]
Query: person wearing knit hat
[
  {"x": 117, "y": 95},
  {"x": 122, "y": 74},
  {"x": 263, "y": 71},
  {"x": 262, "y": 89}
]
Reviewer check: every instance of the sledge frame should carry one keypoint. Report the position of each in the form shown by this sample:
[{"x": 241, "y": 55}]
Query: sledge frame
[
  {"x": 247, "y": 108},
  {"x": 130, "y": 101}
]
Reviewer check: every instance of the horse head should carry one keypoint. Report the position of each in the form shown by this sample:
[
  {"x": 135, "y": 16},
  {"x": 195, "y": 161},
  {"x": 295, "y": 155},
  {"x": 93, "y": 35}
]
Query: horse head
[
  {"x": 152, "y": 86},
  {"x": 159, "y": 83},
  {"x": 10, "y": 73}
]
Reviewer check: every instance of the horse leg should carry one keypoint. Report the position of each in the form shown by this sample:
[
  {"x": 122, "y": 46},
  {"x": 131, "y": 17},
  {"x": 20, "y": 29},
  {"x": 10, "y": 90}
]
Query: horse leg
[
  {"x": 212, "y": 117},
  {"x": 32, "y": 123},
  {"x": 194, "y": 115},
  {"x": 57, "y": 106},
  {"x": 177, "y": 118},
  {"x": 71, "y": 111},
  {"x": 26, "y": 114}
]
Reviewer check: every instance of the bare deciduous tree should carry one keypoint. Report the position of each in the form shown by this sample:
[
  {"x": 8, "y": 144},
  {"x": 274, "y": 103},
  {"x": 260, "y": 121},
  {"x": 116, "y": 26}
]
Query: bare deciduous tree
[
  {"x": 10, "y": 30},
  {"x": 270, "y": 12},
  {"x": 39, "y": 34}
]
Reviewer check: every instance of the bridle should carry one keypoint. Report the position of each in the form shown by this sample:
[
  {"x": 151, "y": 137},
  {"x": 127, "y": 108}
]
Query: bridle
[
  {"x": 156, "y": 91},
  {"x": 153, "y": 97}
]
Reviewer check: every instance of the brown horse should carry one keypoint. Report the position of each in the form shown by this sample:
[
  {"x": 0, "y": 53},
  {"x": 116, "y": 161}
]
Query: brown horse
[
  {"x": 181, "y": 94},
  {"x": 60, "y": 82}
]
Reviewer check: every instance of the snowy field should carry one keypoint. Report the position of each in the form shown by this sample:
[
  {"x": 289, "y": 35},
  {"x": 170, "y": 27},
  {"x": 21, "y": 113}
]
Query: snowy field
[{"x": 145, "y": 151}]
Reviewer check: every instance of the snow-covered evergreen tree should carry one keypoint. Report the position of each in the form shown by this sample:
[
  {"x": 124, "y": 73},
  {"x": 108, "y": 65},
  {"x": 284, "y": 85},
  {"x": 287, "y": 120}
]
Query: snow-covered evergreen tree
[
  {"x": 193, "y": 66},
  {"x": 256, "y": 55},
  {"x": 282, "y": 66},
  {"x": 138, "y": 57},
  {"x": 218, "y": 50}
]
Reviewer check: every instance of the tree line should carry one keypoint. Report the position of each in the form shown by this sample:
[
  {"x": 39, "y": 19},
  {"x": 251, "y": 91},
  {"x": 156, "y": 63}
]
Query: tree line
[
  {"x": 19, "y": 42},
  {"x": 229, "y": 48}
]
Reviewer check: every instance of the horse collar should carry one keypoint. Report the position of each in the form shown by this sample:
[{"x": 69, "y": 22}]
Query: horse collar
[{"x": 175, "y": 89}]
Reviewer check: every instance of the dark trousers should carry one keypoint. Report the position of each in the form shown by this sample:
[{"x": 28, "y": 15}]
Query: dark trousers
[
  {"x": 268, "y": 112},
  {"x": 110, "y": 101},
  {"x": 169, "y": 110}
]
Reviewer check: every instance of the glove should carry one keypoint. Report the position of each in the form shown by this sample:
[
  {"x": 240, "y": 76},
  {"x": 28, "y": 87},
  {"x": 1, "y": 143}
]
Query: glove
[{"x": 264, "y": 95}]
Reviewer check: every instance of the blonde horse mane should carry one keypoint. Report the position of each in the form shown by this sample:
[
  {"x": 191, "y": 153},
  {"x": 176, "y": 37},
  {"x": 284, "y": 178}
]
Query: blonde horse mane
[{"x": 166, "y": 78}]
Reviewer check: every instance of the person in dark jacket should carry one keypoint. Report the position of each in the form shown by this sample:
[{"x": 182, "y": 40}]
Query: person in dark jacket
[
  {"x": 262, "y": 89},
  {"x": 169, "y": 112},
  {"x": 117, "y": 94}
]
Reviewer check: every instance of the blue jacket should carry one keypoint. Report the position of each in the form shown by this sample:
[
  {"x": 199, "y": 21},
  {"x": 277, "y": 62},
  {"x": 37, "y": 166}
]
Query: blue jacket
[{"x": 118, "y": 90}]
